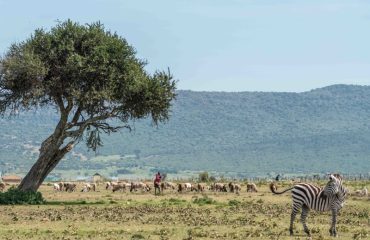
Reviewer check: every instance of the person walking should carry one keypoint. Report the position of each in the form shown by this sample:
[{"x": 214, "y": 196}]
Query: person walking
[{"x": 278, "y": 177}]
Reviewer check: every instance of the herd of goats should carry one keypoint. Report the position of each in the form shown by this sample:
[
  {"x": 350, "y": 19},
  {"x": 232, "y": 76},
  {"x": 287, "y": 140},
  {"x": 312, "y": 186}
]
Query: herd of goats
[
  {"x": 147, "y": 187},
  {"x": 179, "y": 187}
]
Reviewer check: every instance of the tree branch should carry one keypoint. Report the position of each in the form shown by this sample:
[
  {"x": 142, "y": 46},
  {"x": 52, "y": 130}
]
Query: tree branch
[
  {"x": 77, "y": 114},
  {"x": 59, "y": 101},
  {"x": 70, "y": 104}
]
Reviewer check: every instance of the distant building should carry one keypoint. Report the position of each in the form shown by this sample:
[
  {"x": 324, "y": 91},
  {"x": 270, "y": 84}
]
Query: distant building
[
  {"x": 97, "y": 178},
  {"x": 11, "y": 179}
]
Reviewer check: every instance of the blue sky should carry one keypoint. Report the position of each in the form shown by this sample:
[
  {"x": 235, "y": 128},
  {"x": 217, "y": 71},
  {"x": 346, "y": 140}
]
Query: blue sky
[{"x": 222, "y": 45}]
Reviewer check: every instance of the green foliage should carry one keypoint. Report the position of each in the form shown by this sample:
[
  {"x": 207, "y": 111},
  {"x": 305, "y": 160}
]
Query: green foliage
[
  {"x": 137, "y": 236},
  {"x": 212, "y": 178},
  {"x": 14, "y": 196},
  {"x": 175, "y": 201},
  {"x": 203, "y": 177},
  {"x": 204, "y": 200},
  {"x": 234, "y": 202},
  {"x": 90, "y": 74}
]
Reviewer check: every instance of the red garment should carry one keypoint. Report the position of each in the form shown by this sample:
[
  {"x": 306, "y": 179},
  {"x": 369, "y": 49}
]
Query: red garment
[{"x": 157, "y": 178}]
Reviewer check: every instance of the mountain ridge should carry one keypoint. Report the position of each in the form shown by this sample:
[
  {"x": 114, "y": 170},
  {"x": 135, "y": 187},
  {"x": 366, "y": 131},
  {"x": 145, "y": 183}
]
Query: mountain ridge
[{"x": 251, "y": 133}]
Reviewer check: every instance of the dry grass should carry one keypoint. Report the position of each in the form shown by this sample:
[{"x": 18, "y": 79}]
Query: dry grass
[{"x": 124, "y": 215}]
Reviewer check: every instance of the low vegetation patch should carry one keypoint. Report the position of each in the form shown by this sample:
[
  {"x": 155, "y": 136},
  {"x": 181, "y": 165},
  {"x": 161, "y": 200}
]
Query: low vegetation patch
[
  {"x": 82, "y": 202},
  {"x": 175, "y": 201},
  {"x": 14, "y": 196},
  {"x": 204, "y": 200},
  {"x": 234, "y": 202}
]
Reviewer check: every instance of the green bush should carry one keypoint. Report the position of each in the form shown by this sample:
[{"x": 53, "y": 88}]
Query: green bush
[
  {"x": 15, "y": 196},
  {"x": 203, "y": 177},
  {"x": 234, "y": 202},
  {"x": 204, "y": 200}
]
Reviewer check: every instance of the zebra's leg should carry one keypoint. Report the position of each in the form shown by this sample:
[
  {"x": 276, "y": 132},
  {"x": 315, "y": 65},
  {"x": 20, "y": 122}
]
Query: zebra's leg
[
  {"x": 292, "y": 217},
  {"x": 304, "y": 214},
  {"x": 333, "y": 229}
]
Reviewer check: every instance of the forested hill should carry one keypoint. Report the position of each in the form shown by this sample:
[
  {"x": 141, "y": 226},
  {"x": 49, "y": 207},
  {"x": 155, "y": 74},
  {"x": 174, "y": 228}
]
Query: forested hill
[{"x": 249, "y": 133}]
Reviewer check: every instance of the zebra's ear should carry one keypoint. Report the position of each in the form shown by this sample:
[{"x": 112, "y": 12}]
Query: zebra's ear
[{"x": 331, "y": 177}]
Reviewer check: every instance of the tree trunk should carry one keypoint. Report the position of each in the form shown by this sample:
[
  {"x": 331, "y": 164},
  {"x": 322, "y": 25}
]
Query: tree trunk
[
  {"x": 39, "y": 171},
  {"x": 49, "y": 157}
]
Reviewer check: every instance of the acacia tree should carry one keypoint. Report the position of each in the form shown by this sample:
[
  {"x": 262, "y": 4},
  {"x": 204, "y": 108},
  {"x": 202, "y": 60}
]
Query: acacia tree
[{"x": 91, "y": 76}]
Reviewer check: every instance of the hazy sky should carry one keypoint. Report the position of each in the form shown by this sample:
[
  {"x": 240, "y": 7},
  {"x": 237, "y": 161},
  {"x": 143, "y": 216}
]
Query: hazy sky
[{"x": 222, "y": 45}]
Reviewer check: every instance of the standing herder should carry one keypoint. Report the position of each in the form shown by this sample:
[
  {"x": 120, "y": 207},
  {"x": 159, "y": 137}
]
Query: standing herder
[{"x": 157, "y": 183}]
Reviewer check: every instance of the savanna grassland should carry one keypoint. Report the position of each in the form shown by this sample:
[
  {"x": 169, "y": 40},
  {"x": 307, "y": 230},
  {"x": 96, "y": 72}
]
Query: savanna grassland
[{"x": 124, "y": 215}]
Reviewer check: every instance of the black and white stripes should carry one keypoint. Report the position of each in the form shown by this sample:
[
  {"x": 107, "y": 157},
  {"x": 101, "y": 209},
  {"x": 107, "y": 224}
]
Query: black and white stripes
[{"x": 307, "y": 196}]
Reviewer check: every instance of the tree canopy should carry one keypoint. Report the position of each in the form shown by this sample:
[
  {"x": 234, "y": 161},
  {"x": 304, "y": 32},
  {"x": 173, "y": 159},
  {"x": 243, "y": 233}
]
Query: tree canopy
[{"x": 90, "y": 75}]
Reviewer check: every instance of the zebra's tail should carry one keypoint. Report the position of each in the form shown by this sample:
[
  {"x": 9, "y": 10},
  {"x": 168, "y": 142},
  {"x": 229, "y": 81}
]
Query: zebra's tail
[{"x": 273, "y": 189}]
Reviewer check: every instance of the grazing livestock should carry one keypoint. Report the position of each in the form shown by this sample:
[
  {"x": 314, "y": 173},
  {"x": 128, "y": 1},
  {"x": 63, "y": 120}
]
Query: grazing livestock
[
  {"x": 231, "y": 186},
  {"x": 194, "y": 187},
  {"x": 118, "y": 187},
  {"x": 201, "y": 187},
  {"x": 167, "y": 185},
  {"x": 69, "y": 187},
  {"x": 85, "y": 188},
  {"x": 273, "y": 187},
  {"x": 219, "y": 187},
  {"x": 56, "y": 187},
  {"x": 184, "y": 187},
  {"x": 237, "y": 188},
  {"x": 108, "y": 185},
  {"x": 139, "y": 185},
  {"x": 89, "y": 187},
  {"x": 187, "y": 186},
  {"x": 362, "y": 193},
  {"x": 180, "y": 187},
  {"x": 61, "y": 186},
  {"x": 234, "y": 187},
  {"x": 251, "y": 187},
  {"x": 93, "y": 187}
]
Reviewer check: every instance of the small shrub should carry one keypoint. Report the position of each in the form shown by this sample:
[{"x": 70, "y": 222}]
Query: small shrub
[
  {"x": 212, "y": 179},
  {"x": 364, "y": 214},
  {"x": 15, "y": 196},
  {"x": 203, "y": 177},
  {"x": 234, "y": 202},
  {"x": 175, "y": 201},
  {"x": 137, "y": 236},
  {"x": 204, "y": 200},
  {"x": 362, "y": 234}
]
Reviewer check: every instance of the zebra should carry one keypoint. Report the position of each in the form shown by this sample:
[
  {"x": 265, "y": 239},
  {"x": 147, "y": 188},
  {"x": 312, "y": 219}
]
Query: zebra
[{"x": 307, "y": 196}]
